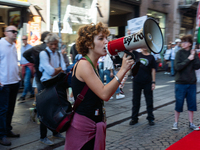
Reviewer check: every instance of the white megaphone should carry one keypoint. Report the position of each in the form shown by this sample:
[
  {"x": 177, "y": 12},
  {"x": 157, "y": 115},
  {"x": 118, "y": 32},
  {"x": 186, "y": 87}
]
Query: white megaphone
[{"x": 150, "y": 36}]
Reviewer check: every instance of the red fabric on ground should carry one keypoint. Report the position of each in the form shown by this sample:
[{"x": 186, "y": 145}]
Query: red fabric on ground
[{"x": 189, "y": 142}]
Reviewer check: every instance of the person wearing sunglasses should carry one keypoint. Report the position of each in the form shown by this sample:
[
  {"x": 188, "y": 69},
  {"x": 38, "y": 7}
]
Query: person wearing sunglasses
[
  {"x": 27, "y": 70},
  {"x": 9, "y": 83}
]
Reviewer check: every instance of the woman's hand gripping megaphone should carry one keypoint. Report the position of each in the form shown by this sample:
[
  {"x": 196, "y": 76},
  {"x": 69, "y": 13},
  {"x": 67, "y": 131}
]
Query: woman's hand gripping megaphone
[
  {"x": 127, "y": 61},
  {"x": 128, "y": 53}
]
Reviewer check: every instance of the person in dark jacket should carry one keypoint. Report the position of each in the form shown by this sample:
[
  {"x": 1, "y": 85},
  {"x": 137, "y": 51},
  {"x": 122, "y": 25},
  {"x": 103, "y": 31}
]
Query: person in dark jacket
[
  {"x": 186, "y": 62},
  {"x": 32, "y": 55}
]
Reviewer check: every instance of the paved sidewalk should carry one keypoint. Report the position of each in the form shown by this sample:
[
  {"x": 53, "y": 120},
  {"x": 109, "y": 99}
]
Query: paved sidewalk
[{"x": 120, "y": 135}]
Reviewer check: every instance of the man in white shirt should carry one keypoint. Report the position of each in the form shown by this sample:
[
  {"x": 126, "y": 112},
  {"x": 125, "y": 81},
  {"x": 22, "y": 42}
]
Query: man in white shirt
[{"x": 9, "y": 83}]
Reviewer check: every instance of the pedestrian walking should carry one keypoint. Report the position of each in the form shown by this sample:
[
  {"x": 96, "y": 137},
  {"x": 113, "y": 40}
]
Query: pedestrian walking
[
  {"x": 109, "y": 72},
  {"x": 27, "y": 71},
  {"x": 73, "y": 52},
  {"x": 172, "y": 57},
  {"x": 88, "y": 128},
  {"x": 64, "y": 53},
  {"x": 101, "y": 68},
  {"x": 186, "y": 62},
  {"x": 145, "y": 80},
  {"x": 167, "y": 59},
  {"x": 32, "y": 55},
  {"x": 9, "y": 83}
]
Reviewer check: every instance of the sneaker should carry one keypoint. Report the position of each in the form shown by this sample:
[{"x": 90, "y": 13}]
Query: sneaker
[
  {"x": 34, "y": 103},
  {"x": 193, "y": 127},
  {"x": 46, "y": 141},
  {"x": 133, "y": 122},
  {"x": 120, "y": 96},
  {"x": 22, "y": 98},
  {"x": 175, "y": 126},
  {"x": 166, "y": 73},
  {"x": 58, "y": 135},
  {"x": 13, "y": 135},
  {"x": 151, "y": 122}
]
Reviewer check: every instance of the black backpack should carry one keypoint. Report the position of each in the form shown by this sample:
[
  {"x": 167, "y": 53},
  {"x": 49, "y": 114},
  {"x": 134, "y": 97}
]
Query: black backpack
[{"x": 53, "y": 108}]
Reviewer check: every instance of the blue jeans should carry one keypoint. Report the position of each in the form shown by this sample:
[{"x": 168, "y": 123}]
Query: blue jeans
[
  {"x": 108, "y": 79},
  {"x": 187, "y": 91},
  {"x": 172, "y": 67},
  {"x": 27, "y": 82},
  {"x": 101, "y": 72},
  {"x": 8, "y": 95}
]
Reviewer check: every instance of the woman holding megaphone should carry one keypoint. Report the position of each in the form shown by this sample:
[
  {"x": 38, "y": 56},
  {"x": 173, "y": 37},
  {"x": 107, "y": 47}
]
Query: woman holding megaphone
[{"x": 88, "y": 127}]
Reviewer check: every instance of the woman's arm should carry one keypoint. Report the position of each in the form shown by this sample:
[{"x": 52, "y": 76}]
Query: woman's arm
[{"x": 85, "y": 73}]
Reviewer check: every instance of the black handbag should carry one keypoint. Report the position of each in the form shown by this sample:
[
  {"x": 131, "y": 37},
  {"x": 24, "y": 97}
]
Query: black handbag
[{"x": 54, "y": 110}]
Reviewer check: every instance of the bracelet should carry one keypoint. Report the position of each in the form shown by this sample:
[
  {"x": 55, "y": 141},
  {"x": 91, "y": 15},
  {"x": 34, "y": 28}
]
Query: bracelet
[
  {"x": 153, "y": 82},
  {"x": 116, "y": 77}
]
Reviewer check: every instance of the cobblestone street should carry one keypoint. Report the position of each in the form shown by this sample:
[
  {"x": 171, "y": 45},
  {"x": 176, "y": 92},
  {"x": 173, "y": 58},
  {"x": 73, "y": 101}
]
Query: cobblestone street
[{"x": 120, "y": 135}]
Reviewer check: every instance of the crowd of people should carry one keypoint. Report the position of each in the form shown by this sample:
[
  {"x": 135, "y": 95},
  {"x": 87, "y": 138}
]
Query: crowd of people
[{"x": 109, "y": 74}]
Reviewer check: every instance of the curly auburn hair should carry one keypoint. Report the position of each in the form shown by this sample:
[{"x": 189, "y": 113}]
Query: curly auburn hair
[
  {"x": 187, "y": 38},
  {"x": 86, "y": 36}
]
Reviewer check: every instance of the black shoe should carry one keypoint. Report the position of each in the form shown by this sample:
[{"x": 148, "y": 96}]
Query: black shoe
[
  {"x": 22, "y": 98},
  {"x": 5, "y": 142},
  {"x": 11, "y": 134},
  {"x": 31, "y": 96},
  {"x": 132, "y": 122},
  {"x": 151, "y": 122}
]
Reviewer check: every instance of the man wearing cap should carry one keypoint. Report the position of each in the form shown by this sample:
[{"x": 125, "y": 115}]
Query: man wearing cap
[{"x": 178, "y": 45}]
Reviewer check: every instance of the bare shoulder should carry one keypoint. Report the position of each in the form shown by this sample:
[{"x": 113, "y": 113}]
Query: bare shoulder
[{"x": 84, "y": 69}]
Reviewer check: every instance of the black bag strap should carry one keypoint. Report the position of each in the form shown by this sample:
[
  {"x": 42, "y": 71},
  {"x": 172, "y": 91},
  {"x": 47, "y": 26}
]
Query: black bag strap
[{"x": 80, "y": 96}]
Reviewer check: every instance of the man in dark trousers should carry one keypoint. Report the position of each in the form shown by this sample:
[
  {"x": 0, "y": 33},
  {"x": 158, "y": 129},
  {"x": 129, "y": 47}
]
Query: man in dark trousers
[
  {"x": 9, "y": 83},
  {"x": 144, "y": 79}
]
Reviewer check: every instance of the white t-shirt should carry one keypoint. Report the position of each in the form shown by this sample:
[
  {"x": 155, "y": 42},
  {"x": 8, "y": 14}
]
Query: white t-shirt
[{"x": 9, "y": 70}]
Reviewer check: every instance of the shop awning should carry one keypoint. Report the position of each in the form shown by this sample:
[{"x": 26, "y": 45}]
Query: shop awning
[
  {"x": 14, "y": 3},
  {"x": 35, "y": 11},
  {"x": 189, "y": 10}
]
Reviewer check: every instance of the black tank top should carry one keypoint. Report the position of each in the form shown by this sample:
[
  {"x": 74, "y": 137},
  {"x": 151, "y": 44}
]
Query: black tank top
[{"x": 90, "y": 103}]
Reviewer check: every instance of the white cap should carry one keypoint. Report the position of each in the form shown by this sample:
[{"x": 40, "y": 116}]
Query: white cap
[
  {"x": 177, "y": 40},
  {"x": 173, "y": 43}
]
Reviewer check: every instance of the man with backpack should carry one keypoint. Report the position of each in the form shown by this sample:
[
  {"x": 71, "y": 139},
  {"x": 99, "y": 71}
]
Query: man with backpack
[
  {"x": 32, "y": 55},
  {"x": 51, "y": 64}
]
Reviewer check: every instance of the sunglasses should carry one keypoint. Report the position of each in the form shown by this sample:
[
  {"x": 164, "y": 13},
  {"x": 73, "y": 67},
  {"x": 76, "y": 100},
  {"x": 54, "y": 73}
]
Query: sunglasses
[
  {"x": 24, "y": 39},
  {"x": 13, "y": 31}
]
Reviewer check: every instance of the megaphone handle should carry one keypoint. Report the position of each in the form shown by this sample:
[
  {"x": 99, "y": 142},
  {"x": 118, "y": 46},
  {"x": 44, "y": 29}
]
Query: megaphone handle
[{"x": 129, "y": 53}]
